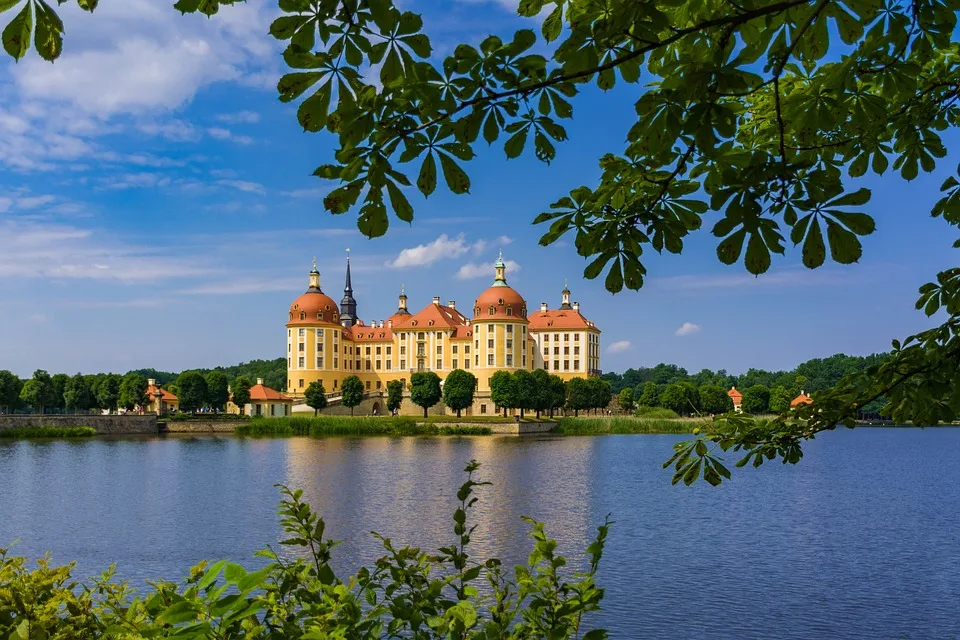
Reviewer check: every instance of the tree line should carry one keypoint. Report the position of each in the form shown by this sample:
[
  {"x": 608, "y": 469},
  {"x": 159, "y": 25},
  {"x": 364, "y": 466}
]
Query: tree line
[
  {"x": 535, "y": 391},
  {"x": 60, "y": 393},
  {"x": 672, "y": 387}
]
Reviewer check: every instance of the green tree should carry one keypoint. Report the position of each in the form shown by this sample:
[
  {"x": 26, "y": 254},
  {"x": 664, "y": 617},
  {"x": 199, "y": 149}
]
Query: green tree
[
  {"x": 351, "y": 392},
  {"x": 681, "y": 397},
  {"x": 579, "y": 395},
  {"x": 10, "y": 386},
  {"x": 38, "y": 391},
  {"x": 315, "y": 396},
  {"x": 394, "y": 395},
  {"x": 133, "y": 391},
  {"x": 524, "y": 390},
  {"x": 425, "y": 390},
  {"x": 543, "y": 393},
  {"x": 218, "y": 390},
  {"x": 650, "y": 397},
  {"x": 601, "y": 393},
  {"x": 108, "y": 391},
  {"x": 458, "y": 389},
  {"x": 780, "y": 398},
  {"x": 714, "y": 400},
  {"x": 625, "y": 399},
  {"x": 756, "y": 399},
  {"x": 558, "y": 393},
  {"x": 58, "y": 383},
  {"x": 193, "y": 391},
  {"x": 240, "y": 393},
  {"x": 77, "y": 394},
  {"x": 502, "y": 391}
]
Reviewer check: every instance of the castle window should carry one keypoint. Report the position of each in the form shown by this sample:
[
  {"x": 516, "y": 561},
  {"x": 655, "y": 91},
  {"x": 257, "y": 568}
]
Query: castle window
[
  {"x": 368, "y": 365},
  {"x": 546, "y": 337},
  {"x": 302, "y": 348},
  {"x": 509, "y": 360},
  {"x": 378, "y": 365},
  {"x": 509, "y": 328},
  {"x": 439, "y": 335},
  {"x": 303, "y": 316},
  {"x": 367, "y": 351},
  {"x": 368, "y": 385},
  {"x": 301, "y": 383},
  {"x": 319, "y": 362},
  {"x": 490, "y": 310},
  {"x": 378, "y": 350},
  {"x": 389, "y": 365},
  {"x": 566, "y": 351},
  {"x": 466, "y": 363},
  {"x": 546, "y": 366},
  {"x": 490, "y": 360},
  {"x": 388, "y": 350},
  {"x": 335, "y": 384},
  {"x": 454, "y": 348},
  {"x": 523, "y": 311},
  {"x": 289, "y": 332},
  {"x": 302, "y": 333},
  {"x": 576, "y": 337},
  {"x": 490, "y": 343},
  {"x": 319, "y": 315},
  {"x": 439, "y": 349},
  {"x": 509, "y": 344},
  {"x": 576, "y": 351},
  {"x": 566, "y": 337},
  {"x": 476, "y": 360},
  {"x": 301, "y": 363},
  {"x": 466, "y": 348},
  {"x": 476, "y": 311},
  {"x": 378, "y": 384},
  {"x": 500, "y": 302},
  {"x": 483, "y": 408},
  {"x": 455, "y": 363},
  {"x": 335, "y": 318},
  {"x": 430, "y": 323},
  {"x": 509, "y": 311},
  {"x": 566, "y": 365},
  {"x": 335, "y": 363},
  {"x": 413, "y": 324},
  {"x": 439, "y": 364},
  {"x": 546, "y": 351},
  {"x": 291, "y": 315},
  {"x": 576, "y": 365},
  {"x": 403, "y": 349},
  {"x": 288, "y": 363},
  {"x": 326, "y": 308},
  {"x": 403, "y": 364}
]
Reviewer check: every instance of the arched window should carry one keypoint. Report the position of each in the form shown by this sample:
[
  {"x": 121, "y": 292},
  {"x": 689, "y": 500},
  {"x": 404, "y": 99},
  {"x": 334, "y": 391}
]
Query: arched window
[
  {"x": 303, "y": 316},
  {"x": 509, "y": 311},
  {"x": 500, "y": 302},
  {"x": 476, "y": 311},
  {"x": 490, "y": 310},
  {"x": 319, "y": 315}
]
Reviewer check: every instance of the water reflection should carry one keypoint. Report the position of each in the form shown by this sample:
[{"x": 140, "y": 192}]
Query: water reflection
[{"x": 860, "y": 541}]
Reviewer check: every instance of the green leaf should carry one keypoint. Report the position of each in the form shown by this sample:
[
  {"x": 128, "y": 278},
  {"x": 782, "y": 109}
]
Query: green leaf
[
  {"x": 292, "y": 85},
  {"x": 457, "y": 179},
  {"x": 553, "y": 25},
  {"x": 401, "y": 206},
  {"x": 614, "y": 279},
  {"x": 844, "y": 246},
  {"x": 427, "y": 180},
  {"x": 16, "y": 35},
  {"x": 855, "y": 199},
  {"x": 6, "y": 5},
  {"x": 758, "y": 255},
  {"x": 514, "y": 146},
  {"x": 530, "y": 8},
  {"x": 49, "y": 35},
  {"x": 312, "y": 113},
  {"x": 814, "y": 251},
  {"x": 729, "y": 250},
  {"x": 420, "y": 44},
  {"x": 373, "y": 223},
  {"x": 860, "y": 223}
]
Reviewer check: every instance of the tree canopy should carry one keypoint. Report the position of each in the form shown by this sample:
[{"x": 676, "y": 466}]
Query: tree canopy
[
  {"x": 394, "y": 395},
  {"x": 193, "y": 391},
  {"x": 351, "y": 392},
  {"x": 766, "y": 115},
  {"x": 240, "y": 392},
  {"x": 425, "y": 390},
  {"x": 315, "y": 396},
  {"x": 458, "y": 388}
]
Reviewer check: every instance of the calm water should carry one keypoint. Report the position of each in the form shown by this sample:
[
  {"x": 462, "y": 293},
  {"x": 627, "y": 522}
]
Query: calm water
[{"x": 861, "y": 540}]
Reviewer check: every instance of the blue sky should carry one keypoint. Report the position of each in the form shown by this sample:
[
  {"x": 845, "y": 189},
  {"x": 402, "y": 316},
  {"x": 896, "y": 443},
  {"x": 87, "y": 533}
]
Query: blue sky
[{"x": 157, "y": 210}]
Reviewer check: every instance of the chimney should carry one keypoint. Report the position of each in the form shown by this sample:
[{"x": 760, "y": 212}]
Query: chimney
[
  {"x": 259, "y": 380},
  {"x": 436, "y": 299},
  {"x": 576, "y": 306},
  {"x": 468, "y": 322},
  {"x": 151, "y": 382},
  {"x": 390, "y": 324},
  {"x": 543, "y": 307},
  {"x": 452, "y": 304}
]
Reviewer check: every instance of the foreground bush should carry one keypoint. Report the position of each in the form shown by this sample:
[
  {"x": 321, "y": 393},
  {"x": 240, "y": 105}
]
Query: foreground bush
[
  {"x": 595, "y": 426},
  {"x": 349, "y": 426},
  {"x": 407, "y": 593},
  {"x": 20, "y": 433}
]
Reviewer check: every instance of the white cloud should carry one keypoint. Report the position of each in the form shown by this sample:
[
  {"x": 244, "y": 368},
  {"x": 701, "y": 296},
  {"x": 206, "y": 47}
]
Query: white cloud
[
  {"x": 225, "y": 134},
  {"x": 687, "y": 329},
  {"x": 472, "y": 270},
  {"x": 32, "y": 202},
  {"x": 141, "y": 180},
  {"x": 307, "y": 193},
  {"x": 241, "y": 117},
  {"x": 174, "y": 130},
  {"x": 57, "y": 251},
  {"x": 619, "y": 346},
  {"x": 244, "y": 185},
  {"x": 424, "y": 254}
]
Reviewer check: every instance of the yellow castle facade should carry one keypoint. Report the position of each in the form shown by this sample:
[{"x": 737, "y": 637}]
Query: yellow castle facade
[{"x": 328, "y": 342}]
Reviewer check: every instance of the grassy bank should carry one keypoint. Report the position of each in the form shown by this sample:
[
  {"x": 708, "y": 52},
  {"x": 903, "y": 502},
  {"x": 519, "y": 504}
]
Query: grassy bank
[
  {"x": 599, "y": 426},
  {"x": 346, "y": 426},
  {"x": 22, "y": 433}
]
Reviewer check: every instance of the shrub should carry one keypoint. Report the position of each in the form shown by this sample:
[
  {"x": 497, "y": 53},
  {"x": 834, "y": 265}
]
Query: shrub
[
  {"x": 655, "y": 412},
  {"x": 408, "y": 593},
  {"x": 597, "y": 426},
  {"x": 20, "y": 433}
]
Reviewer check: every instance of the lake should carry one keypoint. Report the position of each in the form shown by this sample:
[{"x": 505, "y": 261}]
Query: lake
[{"x": 860, "y": 540}]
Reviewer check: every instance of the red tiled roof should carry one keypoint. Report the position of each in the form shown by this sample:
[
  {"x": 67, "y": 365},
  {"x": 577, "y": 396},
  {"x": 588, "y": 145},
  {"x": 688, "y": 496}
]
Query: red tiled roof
[
  {"x": 432, "y": 317},
  {"x": 500, "y": 299},
  {"x": 262, "y": 392},
  {"x": 734, "y": 394},
  {"x": 316, "y": 307},
  {"x": 559, "y": 319},
  {"x": 362, "y": 333},
  {"x": 801, "y": 399},
  {"x": 166, "y": 395}
]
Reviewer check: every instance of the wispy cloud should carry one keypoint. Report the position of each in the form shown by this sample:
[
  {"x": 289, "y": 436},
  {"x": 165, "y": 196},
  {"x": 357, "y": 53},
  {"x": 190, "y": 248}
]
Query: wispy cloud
[
  {"x": 241, "y": 117},
  {"x": 225, "y": 134},
  {"x": 687, "y": 329},
  {"x": 244, "y": 185},
  {"x": 619, "y": 346},
  {"x": 444, "y": 247},
  {"x": 472, "y": 270}
]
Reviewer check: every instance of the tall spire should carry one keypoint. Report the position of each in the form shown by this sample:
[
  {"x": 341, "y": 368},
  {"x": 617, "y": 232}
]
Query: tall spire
[
  {"x": 500, "y": 271},
  {"x": 402, "y": 306},
  {"x": 348, "y": 306},
  {"x": 314, "y": 277},
  {"x": 565, "y": 301}
]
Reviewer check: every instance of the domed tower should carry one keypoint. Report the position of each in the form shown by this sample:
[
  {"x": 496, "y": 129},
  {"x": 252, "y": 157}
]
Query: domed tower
[
  {"x": 313, "y": 337},
  {"x": 348, "y": 306},
  {"x": 500, "y": 328}
]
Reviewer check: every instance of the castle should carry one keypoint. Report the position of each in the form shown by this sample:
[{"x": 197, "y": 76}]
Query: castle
[{"x": 327, "y": 342}]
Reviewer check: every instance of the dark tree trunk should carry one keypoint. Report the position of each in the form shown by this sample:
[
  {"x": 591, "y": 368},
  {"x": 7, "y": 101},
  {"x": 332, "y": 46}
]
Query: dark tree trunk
[
  {"x": 458, "y": 413},
  {"x": 425, "y": 412}
]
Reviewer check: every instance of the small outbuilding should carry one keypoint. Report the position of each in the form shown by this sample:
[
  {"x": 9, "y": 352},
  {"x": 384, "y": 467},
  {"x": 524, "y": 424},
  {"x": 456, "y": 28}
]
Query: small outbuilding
[
  {"x": 737, "y": 399},
  {"x": 264, "y": 401}
]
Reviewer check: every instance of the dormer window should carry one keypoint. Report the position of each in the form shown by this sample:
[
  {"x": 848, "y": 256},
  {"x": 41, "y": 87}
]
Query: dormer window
[
  {"x": 500, "y": 302},
  {"x": 490, "y": 310},
  {"x": 326, "y": 308},
  {"x": 320, "y": 316},
  {"x": 291, "y": 315},
  {"x": 303, "y": 316},
  {"x": 476, "y": 311},
  {"x": 413, "y": 324},
  {"x": 509, "y": 311},
  {"x": 430, "y": 323}
]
